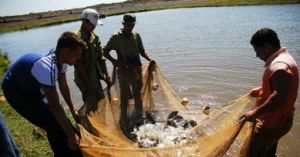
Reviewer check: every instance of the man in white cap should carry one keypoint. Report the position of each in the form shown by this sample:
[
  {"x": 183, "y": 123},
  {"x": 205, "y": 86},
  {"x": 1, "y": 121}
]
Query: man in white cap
[{"x": 91, "y": 67}]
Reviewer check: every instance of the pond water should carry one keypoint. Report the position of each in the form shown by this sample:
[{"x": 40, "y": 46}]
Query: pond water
[{"x": 204, "y": 52}]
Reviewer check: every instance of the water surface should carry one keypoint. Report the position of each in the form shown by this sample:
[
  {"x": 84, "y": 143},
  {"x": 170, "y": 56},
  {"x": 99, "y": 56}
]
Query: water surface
[{"x": 204, "y": 52}]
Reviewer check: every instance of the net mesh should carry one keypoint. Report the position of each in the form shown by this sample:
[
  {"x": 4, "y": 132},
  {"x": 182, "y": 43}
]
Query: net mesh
[{"x": 219, "y": 133}]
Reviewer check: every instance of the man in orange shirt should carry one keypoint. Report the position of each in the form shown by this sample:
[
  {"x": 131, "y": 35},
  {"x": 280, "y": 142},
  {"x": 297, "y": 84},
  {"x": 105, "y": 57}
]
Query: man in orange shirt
[{"x": 276, "y": 97}]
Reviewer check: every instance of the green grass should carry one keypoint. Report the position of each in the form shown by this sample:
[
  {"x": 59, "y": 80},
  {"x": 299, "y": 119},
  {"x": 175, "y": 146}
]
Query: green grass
[
  {"x": 29, "y": 144},
  {"x": 208, "y": 3},
  {"x": 37, "y": 24},
  {"x": 4, "y": 63},
  {"x": 245, "y": 2},
  {"x": 218, "y": 3}
]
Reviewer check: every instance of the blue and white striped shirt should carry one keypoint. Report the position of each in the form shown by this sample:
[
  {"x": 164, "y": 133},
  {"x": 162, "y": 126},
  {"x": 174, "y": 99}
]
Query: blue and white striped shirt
[
  {"x": 33, "y": 71},
  {"x": 45, "y": 70}
]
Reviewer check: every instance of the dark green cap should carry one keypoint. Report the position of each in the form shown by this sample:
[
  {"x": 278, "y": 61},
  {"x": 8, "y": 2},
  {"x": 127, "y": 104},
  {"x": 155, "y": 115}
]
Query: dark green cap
[{"x": 129, "y": 18}]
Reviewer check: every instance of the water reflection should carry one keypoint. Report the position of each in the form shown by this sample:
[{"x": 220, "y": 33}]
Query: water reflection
[{"x": 204, "y": 52}]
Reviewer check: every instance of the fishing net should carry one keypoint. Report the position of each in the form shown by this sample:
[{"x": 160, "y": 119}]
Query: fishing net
[{"x": 217, "y": 133}]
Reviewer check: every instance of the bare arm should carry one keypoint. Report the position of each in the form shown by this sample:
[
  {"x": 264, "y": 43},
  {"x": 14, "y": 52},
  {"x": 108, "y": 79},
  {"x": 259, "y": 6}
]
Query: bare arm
[
  {"x": 60, "y": 116},
  {"x": 103, "y": 66},
  {"x": 255, "y": 92},
  {"x": 107, "y": 77},
  {"x": 65, "y": 91},
  {"x": 146, "y": 56},
  {"x": 107, "y": 55},
  {"x": 106, "y": 52},
  {"x": 142, "y": 49},
  {"x": 281, "y": 81}
]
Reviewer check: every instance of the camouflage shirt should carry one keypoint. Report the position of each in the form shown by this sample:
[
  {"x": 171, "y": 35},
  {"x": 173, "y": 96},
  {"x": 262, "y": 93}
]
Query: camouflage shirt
[{"x": 91, "y": 60}]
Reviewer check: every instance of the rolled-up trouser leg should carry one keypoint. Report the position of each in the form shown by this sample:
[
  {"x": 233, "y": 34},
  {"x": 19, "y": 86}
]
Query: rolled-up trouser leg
[{"x": 264, "y": 142}]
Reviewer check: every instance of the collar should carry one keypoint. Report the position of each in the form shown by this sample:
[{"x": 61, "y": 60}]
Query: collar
[
  {"x": 128, "y": 36},
  {"x": 83, "y": 34},
  {"x": 54, "y": 55},
  {"x": 274, "y": 55}
]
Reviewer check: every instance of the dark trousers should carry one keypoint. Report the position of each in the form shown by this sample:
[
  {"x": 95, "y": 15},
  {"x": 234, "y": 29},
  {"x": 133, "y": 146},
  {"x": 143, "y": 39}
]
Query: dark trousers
[
  {"x": 8, "y": 147},
  {"x": 264, "y": 141},
  {"x": 130, "y": 82},
  {"x": 31, "y": 107}
]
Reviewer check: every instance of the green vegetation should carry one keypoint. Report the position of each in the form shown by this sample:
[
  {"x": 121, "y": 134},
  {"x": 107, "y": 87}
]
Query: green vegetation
[
  {"x": 37, "y": 23},
  {"x": 208, "y": 3},
  {"x": 30, "y": 140},
  {"x": 4, "y": 63},
  {"x": 130, "y": 6}
]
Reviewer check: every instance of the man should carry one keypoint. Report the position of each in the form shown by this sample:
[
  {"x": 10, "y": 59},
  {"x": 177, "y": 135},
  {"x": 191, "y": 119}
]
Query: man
[
  {"x": 276, "y": 97},
  {"x": 91, "y": 67},
  {"x": 128, "y": 46},
  {"x": 30, "y": 88}
]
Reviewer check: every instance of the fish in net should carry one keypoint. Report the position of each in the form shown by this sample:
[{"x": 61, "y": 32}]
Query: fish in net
[{"x": 208, "y": 133}]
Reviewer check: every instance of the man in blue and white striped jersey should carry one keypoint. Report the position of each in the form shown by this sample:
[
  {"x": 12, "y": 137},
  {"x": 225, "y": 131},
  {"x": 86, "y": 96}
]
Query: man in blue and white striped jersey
[{"x": 30, "y": 88}]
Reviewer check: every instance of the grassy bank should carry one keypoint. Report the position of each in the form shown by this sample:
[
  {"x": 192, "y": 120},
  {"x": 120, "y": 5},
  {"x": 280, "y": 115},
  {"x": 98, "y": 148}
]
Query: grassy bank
[
  {"x": 219, "y": 3},
  {"x": 31, "y": 141},
  {"x": 37, "y": 24},
  {"x": 209, "y": 3},
  {"x": 133, "y": 6}
]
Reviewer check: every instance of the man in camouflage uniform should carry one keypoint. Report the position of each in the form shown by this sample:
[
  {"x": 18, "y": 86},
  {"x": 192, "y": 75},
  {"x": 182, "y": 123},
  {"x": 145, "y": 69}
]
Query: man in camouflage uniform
[{"x": 91, "y": 68}]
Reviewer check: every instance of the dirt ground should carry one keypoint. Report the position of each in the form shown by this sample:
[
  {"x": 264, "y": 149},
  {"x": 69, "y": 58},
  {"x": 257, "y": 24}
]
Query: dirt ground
[{"x": 105, "y": 9}]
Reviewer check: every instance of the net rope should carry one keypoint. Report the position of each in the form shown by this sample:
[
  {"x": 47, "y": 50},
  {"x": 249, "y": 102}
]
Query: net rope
[{"x": 219, "y": 133}]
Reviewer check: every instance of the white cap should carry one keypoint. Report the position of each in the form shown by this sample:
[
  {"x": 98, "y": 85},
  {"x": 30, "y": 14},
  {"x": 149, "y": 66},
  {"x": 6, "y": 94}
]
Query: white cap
[{"x": 92, "y": 15}]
